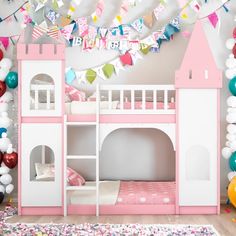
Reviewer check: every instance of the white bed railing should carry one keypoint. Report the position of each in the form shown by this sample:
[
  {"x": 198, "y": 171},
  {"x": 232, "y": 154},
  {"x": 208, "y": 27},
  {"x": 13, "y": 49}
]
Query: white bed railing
[
  {"x": 161, "y": 99},
  {"x": 47, "y": 89}
]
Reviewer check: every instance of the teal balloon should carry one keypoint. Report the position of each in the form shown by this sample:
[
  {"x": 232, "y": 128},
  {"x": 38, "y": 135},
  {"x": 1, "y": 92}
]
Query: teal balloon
[
  {"x": 2, "y": 130},
  {"x": 232, "y": 85},
  {"x": 232, "y": 162},
  {"x": 12, "y": 80}
]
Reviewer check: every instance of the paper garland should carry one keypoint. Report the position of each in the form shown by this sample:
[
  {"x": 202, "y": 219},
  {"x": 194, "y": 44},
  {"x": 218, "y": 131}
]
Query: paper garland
[{"x": 129, "y": 58}]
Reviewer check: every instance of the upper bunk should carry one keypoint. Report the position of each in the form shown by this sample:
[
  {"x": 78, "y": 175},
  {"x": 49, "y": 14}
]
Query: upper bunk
[{"x": 114, "y": 104}]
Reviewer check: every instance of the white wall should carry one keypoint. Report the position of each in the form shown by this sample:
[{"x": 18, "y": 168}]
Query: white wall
[{"x": 154, "y": 68}]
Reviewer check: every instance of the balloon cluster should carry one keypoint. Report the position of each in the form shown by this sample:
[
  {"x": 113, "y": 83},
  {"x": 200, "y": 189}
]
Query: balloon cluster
[
  {"x": 229, "y": 151},
  {"x": 8, "y": 156}
]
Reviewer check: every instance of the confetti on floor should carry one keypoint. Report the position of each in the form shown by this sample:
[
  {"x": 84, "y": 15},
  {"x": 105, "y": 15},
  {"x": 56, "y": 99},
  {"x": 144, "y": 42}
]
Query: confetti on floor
[
  {"x": 51, "y": 229},
  {"x": 227, "y": 210}
]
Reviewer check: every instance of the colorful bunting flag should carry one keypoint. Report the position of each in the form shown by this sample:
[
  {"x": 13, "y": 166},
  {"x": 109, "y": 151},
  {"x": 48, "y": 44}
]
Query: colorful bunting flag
[
  {"x": 66, "y": 31},
  {"x": 52, "y": 16},
  {"x": 83, "y": 26},
  {"x": 194, "y": 4},
  {"x": 157, "y": 11},
  {"x": 138, "y": 25},
  {"x": 148, "y": 20},
  {"x": 53, "y": 32},
  {"x": 5, "y": 42},
  {"x": 38, "y": 32},
  {"x": 213, "y": 18}
]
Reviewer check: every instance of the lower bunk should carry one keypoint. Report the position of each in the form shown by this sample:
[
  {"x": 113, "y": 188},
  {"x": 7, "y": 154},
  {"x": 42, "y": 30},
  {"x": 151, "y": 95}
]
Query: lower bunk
[{"x": 125, "y": 197}]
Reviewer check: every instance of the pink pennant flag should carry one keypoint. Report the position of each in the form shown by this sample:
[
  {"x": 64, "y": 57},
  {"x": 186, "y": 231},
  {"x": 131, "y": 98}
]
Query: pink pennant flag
[
  {"x": 67, "y": 30},
  {"x": 53, "y": 32},
  {"x": 213, "y": 18},
  {"x": 38, "y": 32},
  {"x": 83, "y": 26},
  {"x": 5, "y": 42}
]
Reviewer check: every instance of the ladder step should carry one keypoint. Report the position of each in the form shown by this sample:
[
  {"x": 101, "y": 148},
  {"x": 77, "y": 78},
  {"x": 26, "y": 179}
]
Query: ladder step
[
  {"x": 81, "y": 123},
  {"x": 81, "y": 188},
  {"x": 80, "y": 157}
]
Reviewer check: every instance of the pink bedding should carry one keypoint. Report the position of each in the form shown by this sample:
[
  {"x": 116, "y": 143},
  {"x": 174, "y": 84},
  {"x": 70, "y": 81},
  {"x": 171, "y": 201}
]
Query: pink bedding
[
  {"x": 149, "y": 105},
  {"x": 135, "y": 192}
]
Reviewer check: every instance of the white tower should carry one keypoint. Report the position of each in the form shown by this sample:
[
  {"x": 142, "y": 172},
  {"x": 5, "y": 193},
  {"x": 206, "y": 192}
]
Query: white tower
[
  {"x": 198, "y": 84},
  {"x": 41, "y": 112}
]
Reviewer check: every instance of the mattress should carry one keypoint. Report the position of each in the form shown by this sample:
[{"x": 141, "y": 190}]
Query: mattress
[
  {"x": 127, "y": 193},
  {"x": 108, "y": 194}
]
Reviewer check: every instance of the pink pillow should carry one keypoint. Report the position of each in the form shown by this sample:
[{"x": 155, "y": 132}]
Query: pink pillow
[
  {"x": 73, "y": 178},
  {"x": 75, "y": 94}
]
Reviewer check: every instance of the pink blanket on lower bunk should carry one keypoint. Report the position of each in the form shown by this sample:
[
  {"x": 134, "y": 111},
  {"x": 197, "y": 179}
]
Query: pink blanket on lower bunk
[{"x": 135, "y": 192}]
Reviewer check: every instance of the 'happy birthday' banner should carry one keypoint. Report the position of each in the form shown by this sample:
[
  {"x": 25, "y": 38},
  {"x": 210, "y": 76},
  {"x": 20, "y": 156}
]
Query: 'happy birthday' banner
[{"x": 132, "y": 53}]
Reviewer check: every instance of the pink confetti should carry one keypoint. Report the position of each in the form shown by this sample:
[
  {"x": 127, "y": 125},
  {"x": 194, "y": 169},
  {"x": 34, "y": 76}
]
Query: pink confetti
[{"x": 227, "y": 210}]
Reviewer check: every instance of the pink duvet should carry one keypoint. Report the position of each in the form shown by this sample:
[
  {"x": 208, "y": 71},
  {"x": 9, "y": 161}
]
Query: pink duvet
[{"x": 135, "y": 192}]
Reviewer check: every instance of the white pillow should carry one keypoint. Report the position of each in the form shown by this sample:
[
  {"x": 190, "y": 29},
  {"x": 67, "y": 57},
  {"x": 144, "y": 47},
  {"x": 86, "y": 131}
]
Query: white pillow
[{"x": 44, "y": 172}]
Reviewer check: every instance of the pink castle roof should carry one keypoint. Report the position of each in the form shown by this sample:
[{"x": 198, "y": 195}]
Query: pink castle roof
[
  {"x": 40, "y": 52},
  {"x": 198, "y": 69}
]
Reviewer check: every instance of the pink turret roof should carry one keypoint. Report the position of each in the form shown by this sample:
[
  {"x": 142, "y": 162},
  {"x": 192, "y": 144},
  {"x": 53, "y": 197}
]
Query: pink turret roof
[{"x": 198, "y": 69}]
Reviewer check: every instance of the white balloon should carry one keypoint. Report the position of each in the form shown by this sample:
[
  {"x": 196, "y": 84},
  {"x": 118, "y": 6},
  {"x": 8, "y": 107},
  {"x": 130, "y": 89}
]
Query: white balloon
[
  {"x": 231, "y": 110},
  {"x": 231, "y": 101},
  {"x": 3, "y": 107},
  {"x": 231, "y": 128},
  {"x": 228, "y": 144},
  {"x": 230, "y": 43},
  {"x": 9, "y": 188},
  {"x": 231, "y": 118},
  {"x": 2, "y": 189},
  {"x": 6, "y": 179},
  {"x": 231, "y": 62},
  {"x": 6, "y": 63},
  {"x": 3, "y": 74},
  {"x": 231, "y": 137},
  {"x": 231, "y": 175},
  {"x": 4, "y": 170},
  {"x": 5, "y": 121},
  {"x": 226, "y": 152},
  {"x": 230, "y": 73},
  {"x": 4, "y": 142},
  {"x": 233, "y": 145}
]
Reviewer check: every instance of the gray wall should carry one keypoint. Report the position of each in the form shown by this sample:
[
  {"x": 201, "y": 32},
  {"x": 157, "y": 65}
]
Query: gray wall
[{"x": 153, "y": 69}]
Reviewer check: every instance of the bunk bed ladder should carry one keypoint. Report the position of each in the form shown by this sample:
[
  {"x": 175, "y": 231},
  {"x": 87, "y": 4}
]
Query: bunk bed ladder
[{"x": 75, "y": 157}]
